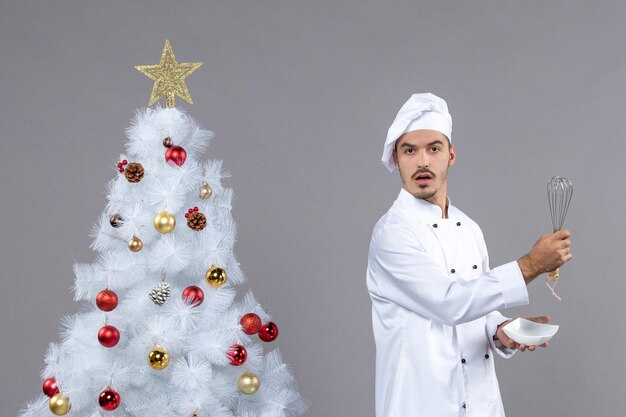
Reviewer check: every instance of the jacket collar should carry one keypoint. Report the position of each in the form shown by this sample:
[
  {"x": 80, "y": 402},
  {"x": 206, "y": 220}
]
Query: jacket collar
[{"x": 406, "y": 199}]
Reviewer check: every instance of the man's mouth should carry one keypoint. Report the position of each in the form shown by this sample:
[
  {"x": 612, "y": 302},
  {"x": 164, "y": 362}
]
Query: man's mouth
[{"x": 422, "y": 178}]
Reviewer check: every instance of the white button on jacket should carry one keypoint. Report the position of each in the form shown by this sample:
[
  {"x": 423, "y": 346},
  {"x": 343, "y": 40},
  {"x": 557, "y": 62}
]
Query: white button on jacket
[{"x": 434, "y": 302}]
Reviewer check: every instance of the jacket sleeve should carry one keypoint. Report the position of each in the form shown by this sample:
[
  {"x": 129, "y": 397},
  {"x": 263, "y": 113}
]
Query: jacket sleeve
[
  {"x": 401, "y": 271},
  {"x": 495, "y": 318}
]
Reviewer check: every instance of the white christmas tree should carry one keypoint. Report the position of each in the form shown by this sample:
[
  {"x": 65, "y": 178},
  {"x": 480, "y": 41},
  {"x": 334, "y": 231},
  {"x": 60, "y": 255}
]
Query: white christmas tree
[{"x": 161, "y": 334}]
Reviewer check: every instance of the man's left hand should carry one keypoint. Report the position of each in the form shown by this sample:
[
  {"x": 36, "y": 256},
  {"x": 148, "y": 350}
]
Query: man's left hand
[{"x": 512, "y": 344}]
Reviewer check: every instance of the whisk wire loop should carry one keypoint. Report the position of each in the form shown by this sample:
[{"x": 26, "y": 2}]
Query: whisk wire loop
[{"x": 560, "y": 191}]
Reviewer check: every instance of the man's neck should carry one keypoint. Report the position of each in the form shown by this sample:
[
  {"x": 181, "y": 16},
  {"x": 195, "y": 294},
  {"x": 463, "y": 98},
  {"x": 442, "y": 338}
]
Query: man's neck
[
  {"x": 442, "y": 203},
  {"x": 441, "y": 200},
  {"x": 443, "y": 206}
]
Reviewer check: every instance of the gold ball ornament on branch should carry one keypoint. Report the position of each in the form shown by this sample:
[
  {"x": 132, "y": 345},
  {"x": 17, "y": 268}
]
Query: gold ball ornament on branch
[
  {"x": 248, "y": 383},
  {"x": 60, "y": 404},
  {"x": 168, "y": 142},
  {"x": 205, "y": 190},
  {"x": 164, "y": 222},
  {"x": 134, "y": 172},
  {"x": 215, "y": 276},
  {"x": 158, "y": 358},
  {"x": 135, "y": 244}
]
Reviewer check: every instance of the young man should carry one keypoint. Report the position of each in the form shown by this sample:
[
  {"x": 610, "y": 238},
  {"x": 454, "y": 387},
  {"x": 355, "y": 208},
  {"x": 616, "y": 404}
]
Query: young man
[{"x": 434, "y": 298}]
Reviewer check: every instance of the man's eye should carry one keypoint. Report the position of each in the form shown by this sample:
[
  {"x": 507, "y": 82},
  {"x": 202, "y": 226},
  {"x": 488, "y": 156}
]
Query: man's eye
[
  {"x": 409, "y": 150},
  {"x": 435, "y": 149}
]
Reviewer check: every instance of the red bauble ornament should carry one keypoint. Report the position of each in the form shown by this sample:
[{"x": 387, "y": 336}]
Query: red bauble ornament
[
  {"x": 50, "y": 387},
  {"x": 237, "y": 355},
  {"x": 250, "y": 323},
  {"x": 106, "y": 300},
  {"x": 109, "y": 399},
  {"x": 108, "y": 336},
  {"x": 268, "y": 332},
  {"x": 176, "y": 155},
  {"x": 193, "y": 295}
]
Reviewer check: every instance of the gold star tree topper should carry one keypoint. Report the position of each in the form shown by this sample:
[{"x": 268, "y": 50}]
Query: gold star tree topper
[{"x": 169, "y": 77}]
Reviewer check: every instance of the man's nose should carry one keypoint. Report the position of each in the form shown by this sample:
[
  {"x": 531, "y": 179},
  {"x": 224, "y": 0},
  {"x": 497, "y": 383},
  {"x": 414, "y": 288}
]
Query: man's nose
[{"x": 422, "y": 160}]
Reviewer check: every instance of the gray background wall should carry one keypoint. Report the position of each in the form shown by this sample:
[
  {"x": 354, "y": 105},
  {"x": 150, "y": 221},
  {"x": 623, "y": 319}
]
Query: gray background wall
[{"x": 300, "y": 95}]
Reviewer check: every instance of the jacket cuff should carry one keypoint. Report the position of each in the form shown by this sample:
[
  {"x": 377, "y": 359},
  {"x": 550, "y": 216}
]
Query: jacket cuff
[
  {"x": 513, "y": 285},
  {"x": 494, "y": 319}
]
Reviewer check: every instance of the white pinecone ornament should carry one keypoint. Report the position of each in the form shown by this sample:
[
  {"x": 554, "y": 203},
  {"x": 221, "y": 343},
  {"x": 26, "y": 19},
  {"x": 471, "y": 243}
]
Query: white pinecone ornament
[{"x": 160, "y": 293}]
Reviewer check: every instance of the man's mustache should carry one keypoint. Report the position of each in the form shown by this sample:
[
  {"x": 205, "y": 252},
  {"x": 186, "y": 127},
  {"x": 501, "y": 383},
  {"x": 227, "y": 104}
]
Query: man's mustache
[{"x": 423, "y": 171}]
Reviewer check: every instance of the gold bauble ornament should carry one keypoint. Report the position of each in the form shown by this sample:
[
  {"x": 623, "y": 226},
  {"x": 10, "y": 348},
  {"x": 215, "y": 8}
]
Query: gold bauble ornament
[
  {"x": 205, "y": 190},
  {"x": 164, "y": 222},
  {"x": 248, "y": 383},
  {"x": 60, "y": 404},
  {"x": 215, "y": 276},
  {"x": 135, "y": 244},
  {"x": 158, "y": 358}
]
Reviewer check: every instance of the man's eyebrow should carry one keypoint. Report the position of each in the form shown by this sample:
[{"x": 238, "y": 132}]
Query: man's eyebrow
[{"x": 410, "y": 145}]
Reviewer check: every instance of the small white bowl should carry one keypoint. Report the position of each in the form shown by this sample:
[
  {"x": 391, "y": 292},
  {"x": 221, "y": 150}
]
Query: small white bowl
[{"x": 529, "y": 332}]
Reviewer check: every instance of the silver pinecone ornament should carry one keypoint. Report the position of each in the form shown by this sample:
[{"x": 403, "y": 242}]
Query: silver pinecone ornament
[{"x": 160, "y": 293}]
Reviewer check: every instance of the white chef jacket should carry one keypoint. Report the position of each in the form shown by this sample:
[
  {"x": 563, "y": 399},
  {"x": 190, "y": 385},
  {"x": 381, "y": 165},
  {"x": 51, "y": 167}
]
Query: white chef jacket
[{"x": 433, "y": 312}]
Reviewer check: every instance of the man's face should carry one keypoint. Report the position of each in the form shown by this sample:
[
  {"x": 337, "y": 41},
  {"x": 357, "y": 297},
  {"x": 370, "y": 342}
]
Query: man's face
[{"x": 423, "y": 158}]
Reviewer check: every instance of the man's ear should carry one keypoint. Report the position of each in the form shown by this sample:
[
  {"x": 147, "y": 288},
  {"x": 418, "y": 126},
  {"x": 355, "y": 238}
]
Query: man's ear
[
  {"x": 395, "y": 158},
  {"x": 452, "y": 155}
]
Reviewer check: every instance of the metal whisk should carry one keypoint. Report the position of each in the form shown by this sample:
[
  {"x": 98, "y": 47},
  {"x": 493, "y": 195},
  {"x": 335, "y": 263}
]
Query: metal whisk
[{"x": 560, "y": 191}]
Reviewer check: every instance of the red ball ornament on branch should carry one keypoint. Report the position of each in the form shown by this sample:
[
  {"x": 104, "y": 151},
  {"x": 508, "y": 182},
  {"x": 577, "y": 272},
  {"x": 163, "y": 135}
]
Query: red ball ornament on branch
[
  {"x": 109, "y": 399},
  {"x": 193, "y": 295},
  {"x": 237, "y": 355},
  {"x": 50, "y": 387},
  {"x": 106, "y": 300},
  {"x": 268, "y": 332},
  {"x": 176, "y": 155},
  {"x": 250, "y": 323},
  {"x": 108, "y": 336}
]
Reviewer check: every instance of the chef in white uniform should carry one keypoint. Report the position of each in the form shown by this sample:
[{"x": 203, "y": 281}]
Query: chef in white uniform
[{"x": 434, "y": 297}]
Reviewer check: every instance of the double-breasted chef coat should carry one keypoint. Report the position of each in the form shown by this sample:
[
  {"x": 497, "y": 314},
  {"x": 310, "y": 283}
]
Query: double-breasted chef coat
[{"x": 434, "y": 302}]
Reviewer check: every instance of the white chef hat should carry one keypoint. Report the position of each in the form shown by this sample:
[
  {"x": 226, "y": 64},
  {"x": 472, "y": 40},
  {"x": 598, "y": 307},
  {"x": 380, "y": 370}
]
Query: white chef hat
[{"x": 421, "y": 111}]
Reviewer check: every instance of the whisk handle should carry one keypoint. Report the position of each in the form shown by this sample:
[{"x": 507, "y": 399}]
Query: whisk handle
[{"x": 553, "y": 275}]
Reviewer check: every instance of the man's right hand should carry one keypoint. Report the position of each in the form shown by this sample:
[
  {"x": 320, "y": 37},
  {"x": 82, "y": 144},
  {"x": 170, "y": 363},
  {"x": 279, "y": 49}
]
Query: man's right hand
[{"x": 547, "y": 254}]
